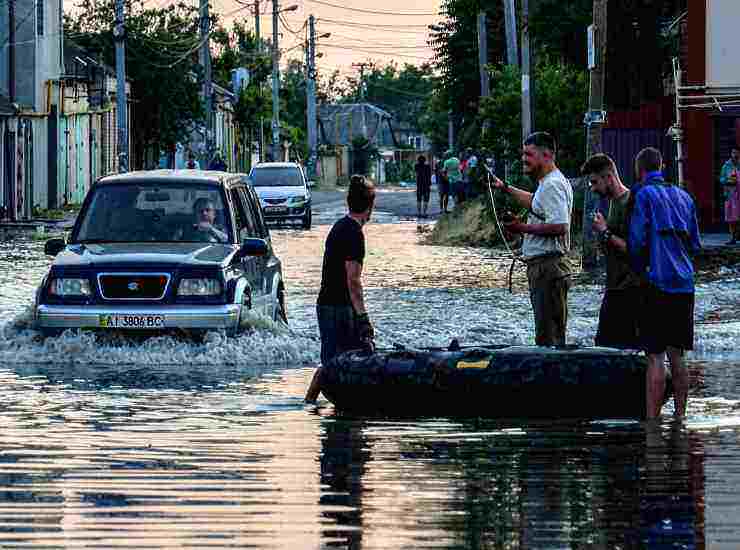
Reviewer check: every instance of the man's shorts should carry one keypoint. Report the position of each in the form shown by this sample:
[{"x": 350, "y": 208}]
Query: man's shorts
[
  {"x": 668, "y": 321},
  {"x": 620, "y": 318},
  {"x": 423, "y": 192},
  {"x": 338, "y": 329}
]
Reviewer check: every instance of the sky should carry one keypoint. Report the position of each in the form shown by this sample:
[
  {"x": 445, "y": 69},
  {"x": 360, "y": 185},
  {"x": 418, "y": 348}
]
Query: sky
[{"x": 379, "y": 30}]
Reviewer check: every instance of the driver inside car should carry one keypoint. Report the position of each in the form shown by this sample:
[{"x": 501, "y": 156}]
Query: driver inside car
[{"x": 204, "y": 229}]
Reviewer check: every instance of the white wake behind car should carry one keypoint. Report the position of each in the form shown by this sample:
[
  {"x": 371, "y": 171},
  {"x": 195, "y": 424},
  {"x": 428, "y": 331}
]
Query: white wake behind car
[{"x": 284, "y": 193}]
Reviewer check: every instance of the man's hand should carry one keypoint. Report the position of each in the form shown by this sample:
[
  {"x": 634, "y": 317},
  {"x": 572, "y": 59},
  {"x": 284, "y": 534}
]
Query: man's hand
[
  {"x": 204, "y": 226},
  {"x": 497, "y": 182},
  {"x": 365, "y": 328},
  {"x": 599, "y": 222}
]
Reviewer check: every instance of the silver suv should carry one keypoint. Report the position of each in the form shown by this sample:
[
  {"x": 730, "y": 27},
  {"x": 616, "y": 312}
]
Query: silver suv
[{"x": 284, "y": 193}]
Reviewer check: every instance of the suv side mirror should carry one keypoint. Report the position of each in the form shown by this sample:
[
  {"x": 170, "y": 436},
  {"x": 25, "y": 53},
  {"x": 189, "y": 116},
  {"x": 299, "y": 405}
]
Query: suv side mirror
[
  {"x": 311, "y": 183},
  {"x": 253, "y": 247},
  {"x": 52, "y": 247}
]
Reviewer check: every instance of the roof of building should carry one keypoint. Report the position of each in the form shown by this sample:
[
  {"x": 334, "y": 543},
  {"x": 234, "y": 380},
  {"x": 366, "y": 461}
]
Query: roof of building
[{"x": 340, "y": 123}]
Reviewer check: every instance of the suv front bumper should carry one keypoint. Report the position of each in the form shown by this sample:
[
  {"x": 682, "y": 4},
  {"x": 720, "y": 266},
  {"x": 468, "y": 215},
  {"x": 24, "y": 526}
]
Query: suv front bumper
[{"x": 211, "y": 317}]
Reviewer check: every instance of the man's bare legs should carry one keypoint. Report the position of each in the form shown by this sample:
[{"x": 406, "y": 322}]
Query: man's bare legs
[
  {"x": 655, "y": 386},
  {"x": 680, "y": 380}
]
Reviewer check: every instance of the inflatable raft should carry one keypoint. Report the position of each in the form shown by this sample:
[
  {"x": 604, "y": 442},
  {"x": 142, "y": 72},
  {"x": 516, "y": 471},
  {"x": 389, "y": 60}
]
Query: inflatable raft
[{"x": 490, "y": 381}]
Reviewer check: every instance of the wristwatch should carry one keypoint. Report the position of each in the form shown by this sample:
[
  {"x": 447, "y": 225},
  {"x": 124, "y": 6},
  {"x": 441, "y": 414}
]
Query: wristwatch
[{"x": 604, "y": 236}]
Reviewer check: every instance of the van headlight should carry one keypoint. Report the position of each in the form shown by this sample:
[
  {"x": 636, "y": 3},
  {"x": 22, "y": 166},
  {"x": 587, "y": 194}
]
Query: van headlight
[
  {"x": 199, "y": 287},
  {"x": 69, "y": 287}
]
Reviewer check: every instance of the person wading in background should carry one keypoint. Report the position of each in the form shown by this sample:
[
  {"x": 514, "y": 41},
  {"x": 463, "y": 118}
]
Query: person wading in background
[
  {"x": 423, "y": 186},
  {"x": 344, "y": 323}
]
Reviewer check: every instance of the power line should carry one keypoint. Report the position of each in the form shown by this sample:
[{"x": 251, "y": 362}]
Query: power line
[
  {"x": 376, "y": 52},
  {"x": 373, "y": 25},
  {"x": 373, "y": 12}
]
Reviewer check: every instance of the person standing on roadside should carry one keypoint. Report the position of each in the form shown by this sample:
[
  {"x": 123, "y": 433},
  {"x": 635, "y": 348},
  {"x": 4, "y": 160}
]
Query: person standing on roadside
[
  {"x": 728, "y": 178},
  {"x": 663, "y": 237},
  {"x": 546, "y": 237},
  {"x": 344, "y": 323},
  {"x": 423, "y": 186},
  {"x": 443, "y": 187},
  {"x": 454, "y": 177},
  {"x": 621, "y": 307}
]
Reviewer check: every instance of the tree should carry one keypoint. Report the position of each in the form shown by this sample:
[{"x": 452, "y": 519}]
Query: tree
[
  {"x": 562, "y": 88},
  {"x": 161, "y": 64}
]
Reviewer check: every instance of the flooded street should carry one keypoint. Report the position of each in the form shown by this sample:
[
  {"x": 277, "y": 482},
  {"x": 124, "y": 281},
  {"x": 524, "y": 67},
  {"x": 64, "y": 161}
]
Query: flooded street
[{"x": 172, "y": 444}]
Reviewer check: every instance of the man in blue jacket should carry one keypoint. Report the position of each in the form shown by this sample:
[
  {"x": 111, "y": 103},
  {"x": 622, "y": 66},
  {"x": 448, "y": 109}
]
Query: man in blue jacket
[{"x": 663, "y": 237}]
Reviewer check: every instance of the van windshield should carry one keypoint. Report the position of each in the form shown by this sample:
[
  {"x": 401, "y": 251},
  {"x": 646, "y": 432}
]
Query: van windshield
[
  {"x": 276, "y": 177},
  {"x": 146, "y": 213}
]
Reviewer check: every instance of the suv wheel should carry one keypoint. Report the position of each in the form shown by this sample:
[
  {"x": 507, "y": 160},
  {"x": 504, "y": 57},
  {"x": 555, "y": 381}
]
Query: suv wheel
[{"x": 307, "y": 220}]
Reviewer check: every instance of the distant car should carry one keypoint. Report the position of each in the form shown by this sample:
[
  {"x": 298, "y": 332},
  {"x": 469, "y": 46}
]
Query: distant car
[
  {"x": 284, "y": 193},
  {"x": 166, "y": 249}
]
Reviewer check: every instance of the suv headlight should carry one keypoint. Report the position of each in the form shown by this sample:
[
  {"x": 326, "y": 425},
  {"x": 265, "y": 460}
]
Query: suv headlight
[
  {"x": 297, "y": 201},
  {"x": 199, "y": 287},
  {"x": 69, "y": 287}
]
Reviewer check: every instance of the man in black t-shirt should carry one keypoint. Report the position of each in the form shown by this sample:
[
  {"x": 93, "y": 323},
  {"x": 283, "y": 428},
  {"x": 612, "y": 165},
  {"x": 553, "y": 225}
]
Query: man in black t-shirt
[{"x": 343, "y": 320}]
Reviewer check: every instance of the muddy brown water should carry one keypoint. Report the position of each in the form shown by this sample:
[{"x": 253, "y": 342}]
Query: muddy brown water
[{"x": 107, "y": 443}]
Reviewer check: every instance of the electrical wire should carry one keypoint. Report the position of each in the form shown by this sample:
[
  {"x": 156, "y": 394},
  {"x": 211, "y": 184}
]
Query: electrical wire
[
  {"x": 376, "y": 52},
  {"x": 372, "y": 12},
  {"x": 365, "y": 26}
]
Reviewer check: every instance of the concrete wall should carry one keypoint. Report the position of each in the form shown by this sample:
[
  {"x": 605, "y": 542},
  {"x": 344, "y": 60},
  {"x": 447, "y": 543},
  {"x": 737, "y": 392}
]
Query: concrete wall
[
  {"x": 4, "y": 50},
  {"x": 25, "y": 53}
]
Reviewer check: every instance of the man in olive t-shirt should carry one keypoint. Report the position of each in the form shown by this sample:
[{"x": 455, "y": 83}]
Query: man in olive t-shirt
[{"x": 619, "y": 318}]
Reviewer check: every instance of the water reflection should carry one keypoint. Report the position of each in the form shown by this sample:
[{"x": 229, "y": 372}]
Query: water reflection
[{"x": 483, "y": 484}]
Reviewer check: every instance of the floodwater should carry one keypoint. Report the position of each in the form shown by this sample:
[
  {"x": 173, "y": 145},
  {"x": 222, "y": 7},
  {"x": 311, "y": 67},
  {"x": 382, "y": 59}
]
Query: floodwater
[{"x": 110, "y": 443}]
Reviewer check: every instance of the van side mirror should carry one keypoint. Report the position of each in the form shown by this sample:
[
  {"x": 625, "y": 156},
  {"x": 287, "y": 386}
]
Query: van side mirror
[
  {"x": 253, "y": 247},
  {"x": 311, "y": 183},
  {"x": 52, "y": 247}
]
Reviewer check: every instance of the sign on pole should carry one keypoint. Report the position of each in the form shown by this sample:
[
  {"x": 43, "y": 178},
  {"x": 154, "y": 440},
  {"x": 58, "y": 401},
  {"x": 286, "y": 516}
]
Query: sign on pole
[{"x": 591, "y": 44}]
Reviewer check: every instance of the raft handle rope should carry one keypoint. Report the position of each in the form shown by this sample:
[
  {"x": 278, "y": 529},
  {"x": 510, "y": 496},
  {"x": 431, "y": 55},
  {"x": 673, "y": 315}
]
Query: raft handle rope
[{"x": 514, "y": 257}]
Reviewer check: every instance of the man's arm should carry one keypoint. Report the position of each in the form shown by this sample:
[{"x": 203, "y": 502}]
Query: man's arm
[
  {"x": 637, "y": 238},
  {"x": 546, "y": 229},
  {"x": 354, "y": 283},
  {"x": 522, "y": 197}
]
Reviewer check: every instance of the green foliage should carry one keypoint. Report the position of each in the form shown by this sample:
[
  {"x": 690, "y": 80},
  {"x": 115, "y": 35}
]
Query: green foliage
[
  {"x": 161, "y": 64},
  {"x": 562, "y": 99}
]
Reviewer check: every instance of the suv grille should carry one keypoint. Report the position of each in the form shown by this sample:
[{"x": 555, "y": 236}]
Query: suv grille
[
  {"x": 133, "y": 286},
  {"x": 275, "y": 201}
]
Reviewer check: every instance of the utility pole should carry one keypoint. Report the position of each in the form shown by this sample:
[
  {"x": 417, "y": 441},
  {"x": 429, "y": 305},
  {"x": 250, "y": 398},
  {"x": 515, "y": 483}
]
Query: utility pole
[
  {"x": 483, "y": 54},
  {"x": 361, "y": 87},
  {"x": 594, "y": 119},
  {"x": 205, "y": 61},
  {"x": 258, "y": 39},
  {"x": 526, "y": 84},
  {"x": 512, "y": 50},
  {"x": 311, "y": 97},
  {"x": 450, "y": 131},
  {"x": 119, "y": 35},
  {"x": 11, "y": 51},
  {"x": 275, "y": 83}
]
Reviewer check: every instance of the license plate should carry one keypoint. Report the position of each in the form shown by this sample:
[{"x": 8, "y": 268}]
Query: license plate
[
  {"x": 131, "y": 321},
  {"x": 276, "y": 209}
]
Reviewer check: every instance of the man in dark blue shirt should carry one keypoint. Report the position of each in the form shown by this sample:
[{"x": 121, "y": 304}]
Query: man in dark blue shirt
[{"x": 663, "y": 237}]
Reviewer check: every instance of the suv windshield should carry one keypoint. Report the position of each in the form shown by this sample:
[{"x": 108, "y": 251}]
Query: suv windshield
[
  {"x": 143, "y": 212},
  {"x": 277, "y": 177}
]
